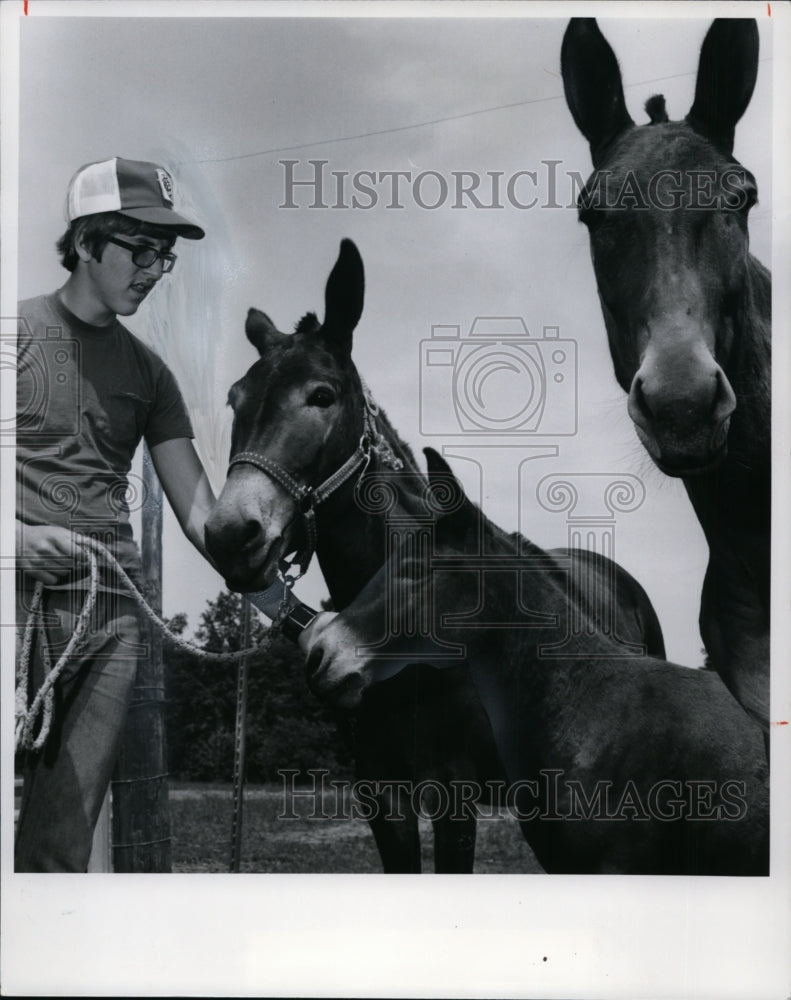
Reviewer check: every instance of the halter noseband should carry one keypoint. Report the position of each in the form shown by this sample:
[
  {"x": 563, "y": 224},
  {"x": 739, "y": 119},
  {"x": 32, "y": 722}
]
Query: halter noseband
[{"x": 308, "y": 497}]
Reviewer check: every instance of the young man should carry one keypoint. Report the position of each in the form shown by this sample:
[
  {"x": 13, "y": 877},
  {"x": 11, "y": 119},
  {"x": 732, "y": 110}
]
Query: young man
[{"x": 88, "y": 391}]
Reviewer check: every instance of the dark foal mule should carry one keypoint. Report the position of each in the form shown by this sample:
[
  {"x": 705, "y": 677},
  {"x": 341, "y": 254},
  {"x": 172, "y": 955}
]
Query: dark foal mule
[
  {"x": 688, "y": 316},
  {"x": 301, "y": 417},
  {"x": 615, "y": 765}
]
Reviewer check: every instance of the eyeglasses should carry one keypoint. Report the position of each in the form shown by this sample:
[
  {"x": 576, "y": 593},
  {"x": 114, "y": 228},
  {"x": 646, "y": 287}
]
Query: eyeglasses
[{"x": 144, "y": 255}]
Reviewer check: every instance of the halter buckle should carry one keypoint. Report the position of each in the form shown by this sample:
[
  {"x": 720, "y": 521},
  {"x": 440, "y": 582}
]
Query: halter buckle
[{"x": 307, "y": 500}]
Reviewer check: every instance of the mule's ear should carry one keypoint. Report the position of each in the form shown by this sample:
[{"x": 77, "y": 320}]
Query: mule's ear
[
  {"x": 727, "y": 71},
  {"x": 448, "y": 496},
  {"x": 258, "y": 328},
  {"x": 343, "y": 297},
  {"x": 592, "y": 82}
]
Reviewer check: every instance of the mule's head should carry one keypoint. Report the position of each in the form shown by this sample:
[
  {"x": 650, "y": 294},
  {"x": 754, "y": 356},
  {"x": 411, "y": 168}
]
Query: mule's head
[
  {"x": 299, "y": 407},
  {"x": 375, "y": 636},
  {"x": 666, "y": 210}
]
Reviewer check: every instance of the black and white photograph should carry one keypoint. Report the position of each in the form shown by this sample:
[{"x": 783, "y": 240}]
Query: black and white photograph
[{"x": 395, "y": 483}]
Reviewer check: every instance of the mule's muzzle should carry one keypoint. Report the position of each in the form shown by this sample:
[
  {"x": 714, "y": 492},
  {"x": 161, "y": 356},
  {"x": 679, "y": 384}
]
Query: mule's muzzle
[
  {"x": 681, "y": 456},
  {"x": 242, "y": 552},
  {"x": 682, "y": 416},
  {"x": 680, "y": 463},
  {"x": 340, "y": 688},
  {"x": 334, "y": 673},
  {"x": 223, "y": 536}
]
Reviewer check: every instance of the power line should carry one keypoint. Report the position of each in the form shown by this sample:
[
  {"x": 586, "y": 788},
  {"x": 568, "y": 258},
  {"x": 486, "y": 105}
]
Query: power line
[
  {"x": 382, "y": 131},
  {"x": 414, "y": 125}
]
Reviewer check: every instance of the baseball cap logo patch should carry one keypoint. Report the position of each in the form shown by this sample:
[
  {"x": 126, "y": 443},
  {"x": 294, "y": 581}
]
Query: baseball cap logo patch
[
  {"x": 165, "y": 184},
  {"x": 135, "y": 188}
]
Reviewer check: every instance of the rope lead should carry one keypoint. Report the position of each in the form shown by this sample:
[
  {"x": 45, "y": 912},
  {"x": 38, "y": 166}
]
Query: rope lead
[{"x": 42, "y": 704}]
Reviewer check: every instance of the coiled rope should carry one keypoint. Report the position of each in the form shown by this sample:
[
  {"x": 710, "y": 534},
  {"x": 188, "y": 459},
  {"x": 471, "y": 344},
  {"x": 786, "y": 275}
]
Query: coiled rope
[{"x": 42, "y": 704}]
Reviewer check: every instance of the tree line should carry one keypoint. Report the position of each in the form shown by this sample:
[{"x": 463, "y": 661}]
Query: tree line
[{"x": 287, "y": 727}]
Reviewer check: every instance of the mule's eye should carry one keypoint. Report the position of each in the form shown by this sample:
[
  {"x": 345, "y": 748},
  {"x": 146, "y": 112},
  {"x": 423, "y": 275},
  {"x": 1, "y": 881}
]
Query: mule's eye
[{"x": 323, "y": 397}]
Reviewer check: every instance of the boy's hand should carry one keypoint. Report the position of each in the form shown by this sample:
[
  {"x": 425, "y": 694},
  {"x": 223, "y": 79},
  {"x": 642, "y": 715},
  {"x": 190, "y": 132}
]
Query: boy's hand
[{"x": 45, "y": 552}]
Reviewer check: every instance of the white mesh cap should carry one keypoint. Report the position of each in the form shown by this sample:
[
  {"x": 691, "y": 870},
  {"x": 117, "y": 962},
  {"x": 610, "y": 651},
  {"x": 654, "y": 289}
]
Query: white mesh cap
[{"x": 135, "y": 188}]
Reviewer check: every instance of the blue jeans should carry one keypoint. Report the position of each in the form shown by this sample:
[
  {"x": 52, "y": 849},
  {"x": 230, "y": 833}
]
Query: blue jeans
[{"x": 66, "y": 781}]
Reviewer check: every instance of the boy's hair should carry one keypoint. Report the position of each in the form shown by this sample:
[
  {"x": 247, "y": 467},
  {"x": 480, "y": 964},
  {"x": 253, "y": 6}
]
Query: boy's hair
[{"x": 95, "y": 230}]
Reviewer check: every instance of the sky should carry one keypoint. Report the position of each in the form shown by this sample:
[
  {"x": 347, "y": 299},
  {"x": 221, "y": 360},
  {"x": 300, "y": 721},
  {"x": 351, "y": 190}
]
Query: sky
[{"x": 223, "y": 101}]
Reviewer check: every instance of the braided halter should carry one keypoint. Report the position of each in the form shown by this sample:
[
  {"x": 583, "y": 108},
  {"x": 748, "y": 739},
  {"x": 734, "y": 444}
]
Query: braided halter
[{"x": 308, "y": 498}]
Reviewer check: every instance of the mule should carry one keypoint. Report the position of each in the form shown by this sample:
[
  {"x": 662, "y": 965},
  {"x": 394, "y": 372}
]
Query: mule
[
  {"x": 614, "y": 765},
  {"x": 687, "y": 310},
  {"x": 303, "y": 419}
]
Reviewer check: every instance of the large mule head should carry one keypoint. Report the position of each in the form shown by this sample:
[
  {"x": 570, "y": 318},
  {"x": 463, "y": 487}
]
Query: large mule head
[
  {"x": 299, "y": 408},
  {"x": 666, "y": 210}
]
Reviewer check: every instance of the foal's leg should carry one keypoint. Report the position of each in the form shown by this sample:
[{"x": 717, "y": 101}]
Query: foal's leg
[
  {"x": 385, "y": 760},
  {"x": 454, "y": 845},
  {"x": 395, "y": 830}
]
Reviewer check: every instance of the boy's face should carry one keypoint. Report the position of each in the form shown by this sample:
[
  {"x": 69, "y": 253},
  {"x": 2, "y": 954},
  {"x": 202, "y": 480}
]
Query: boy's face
[{"x": 116, "y": 282}]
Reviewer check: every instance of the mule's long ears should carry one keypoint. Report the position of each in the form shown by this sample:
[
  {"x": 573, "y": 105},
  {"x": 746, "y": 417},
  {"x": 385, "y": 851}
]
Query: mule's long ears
[
  {"x": 343, "y": 297},
  {"x": 727, "y": 72},
  {"x": 592, "y": 82},
  {"x": 258, "y": 328}
]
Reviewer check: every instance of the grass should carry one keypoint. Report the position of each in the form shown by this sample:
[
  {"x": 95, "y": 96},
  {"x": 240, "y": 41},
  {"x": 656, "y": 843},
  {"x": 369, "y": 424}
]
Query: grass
[{"x": 201, "y": 818}]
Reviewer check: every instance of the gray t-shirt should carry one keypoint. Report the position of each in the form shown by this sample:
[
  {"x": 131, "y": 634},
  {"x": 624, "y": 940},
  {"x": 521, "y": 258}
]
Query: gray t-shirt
[{"x": 86, "y": 395}]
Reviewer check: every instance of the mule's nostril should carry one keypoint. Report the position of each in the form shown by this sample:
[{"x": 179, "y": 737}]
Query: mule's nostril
[
  {"x": 223, "y": 539},
  {"x": 313, "y": 662},
  {"x": 638, "y": 404},
  {"x": 724, "y": 398},
  {"x": 248, "y": 532}
]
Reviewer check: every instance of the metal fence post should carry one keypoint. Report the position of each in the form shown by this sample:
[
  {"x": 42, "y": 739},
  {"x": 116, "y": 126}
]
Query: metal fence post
[{"x": 240, "y": 742}]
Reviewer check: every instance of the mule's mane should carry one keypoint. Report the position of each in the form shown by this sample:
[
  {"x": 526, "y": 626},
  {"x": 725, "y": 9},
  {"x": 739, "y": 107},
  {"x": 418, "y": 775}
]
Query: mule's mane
[
  {"x": 750, "y": 370},
  {"x": 398, "y": 446},
  {"x": 655, "y": 109},
  {"x": 308, "y": 324}
]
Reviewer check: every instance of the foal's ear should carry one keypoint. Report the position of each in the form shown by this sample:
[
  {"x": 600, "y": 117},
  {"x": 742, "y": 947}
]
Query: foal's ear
[
  {"x": 259, "y": 327},
  {"x": 727, "y": 71},
  {"x": 436, "y": 465},
  {"x": 592, "y": 82},
  {"x": 448, "y": 496},
  {"x": 343, "y": 297}
]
